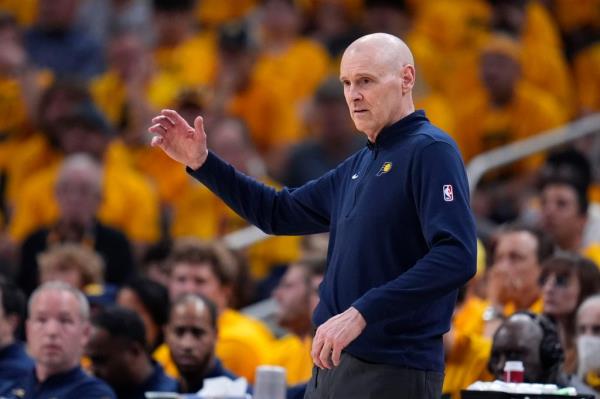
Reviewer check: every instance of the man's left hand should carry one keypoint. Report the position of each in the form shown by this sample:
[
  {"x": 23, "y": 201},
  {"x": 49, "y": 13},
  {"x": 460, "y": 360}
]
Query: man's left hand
[{"x": 334, "y": 335}]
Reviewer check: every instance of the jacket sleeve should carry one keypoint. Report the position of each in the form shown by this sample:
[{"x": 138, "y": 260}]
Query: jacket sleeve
[
  {"x": 441, "y": 197},
  {"x": 304, "y": 210}
]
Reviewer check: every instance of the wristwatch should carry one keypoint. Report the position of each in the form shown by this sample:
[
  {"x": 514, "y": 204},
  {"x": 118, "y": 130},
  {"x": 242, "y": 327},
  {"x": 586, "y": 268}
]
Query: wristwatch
[{"x": 491, "y": 312}]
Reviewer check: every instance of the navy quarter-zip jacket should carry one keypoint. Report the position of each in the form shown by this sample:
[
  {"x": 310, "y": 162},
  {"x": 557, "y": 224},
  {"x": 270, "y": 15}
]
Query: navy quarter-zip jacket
[{"x": 402, "y": 236}]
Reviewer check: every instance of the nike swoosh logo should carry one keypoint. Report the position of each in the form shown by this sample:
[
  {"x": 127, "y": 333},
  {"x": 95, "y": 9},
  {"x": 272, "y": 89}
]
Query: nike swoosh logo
[{"x": 355, "y": 176}]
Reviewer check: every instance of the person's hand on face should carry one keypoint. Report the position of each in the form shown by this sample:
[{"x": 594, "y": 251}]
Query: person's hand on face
[
  {"x": 499, "y": 285},
  {"x": 179, "y": 140}
]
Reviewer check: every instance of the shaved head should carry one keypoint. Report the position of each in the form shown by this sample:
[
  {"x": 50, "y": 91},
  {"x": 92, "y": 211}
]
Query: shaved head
[
  {"x": 386, "y": 48},
  {"x": 378, "y": 75}
]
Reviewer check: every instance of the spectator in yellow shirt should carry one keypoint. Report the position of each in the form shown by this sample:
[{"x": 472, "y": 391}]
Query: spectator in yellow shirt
[
  {"x": 129, "y": 93},
  {"x": 467, "y": 355},
  {"x": 180, "y": 50},
  {"x": 294, "y": 310},
  {"x": 128, "y": 202},
  {"x": 507, "y": 108},
  {"x": 512, "y": 279},
  {"x": 40, "y": 151},
  {"x": 208, "y": 269},
  {"x": 285, "y": 55},
  {"x": 271, "y": 118}
]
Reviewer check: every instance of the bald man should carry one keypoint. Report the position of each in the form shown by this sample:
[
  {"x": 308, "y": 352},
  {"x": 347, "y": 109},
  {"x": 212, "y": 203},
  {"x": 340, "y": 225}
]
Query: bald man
[{"x": 402, "y": 236}]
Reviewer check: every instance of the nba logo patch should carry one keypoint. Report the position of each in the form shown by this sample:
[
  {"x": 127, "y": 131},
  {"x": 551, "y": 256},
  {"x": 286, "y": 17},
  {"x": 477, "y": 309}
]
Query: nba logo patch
[{"x": 448, "y": 193}]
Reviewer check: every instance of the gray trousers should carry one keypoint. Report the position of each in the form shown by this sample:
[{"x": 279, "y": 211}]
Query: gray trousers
[{"x": 357, "y": 379}]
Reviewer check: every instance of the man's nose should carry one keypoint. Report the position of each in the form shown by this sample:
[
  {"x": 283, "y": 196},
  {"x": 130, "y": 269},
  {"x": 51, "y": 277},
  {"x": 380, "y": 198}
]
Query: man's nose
[
  {"x": 355, "y": 93},
  {"x": 188, "y": 342},
  {"x": 52, "y": 327}
]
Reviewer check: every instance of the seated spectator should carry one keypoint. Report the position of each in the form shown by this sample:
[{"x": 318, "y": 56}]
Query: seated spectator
[
  {"x": 284, "y": 53},
  {"x": 150, "y": 300},
  {"x": 207, "y": 268},
  {"x": 508, "y": 108},
  {"x": 187, "y": 55},
  {"x": 14, "y": 361},
  {"x": 573, "y": 164},
  {"x": 564, "y": 213},
  {"x": 272, "y": 120},
  {"x": 118, "y": 354},
  {"x": 588, "y": 344},
  {"x": 78, "y": 192},
  {"x": 129, "y": 92},
  {"x": 55, "y": 42},
  {"x": 467, "y": 355},
  {"x": 128, "y": 202},
  {"x": 332, "y": 140},
  {"x": 512, "y": 279},
  {"x": 57, "y": 330},
  {"x": 191, "y": 335},
  {"x": 293, "y": 296},
  {"x": 533, "y": 340},
  {"x": 566, "y": 281},
  {"x": 76, "y": 265}
]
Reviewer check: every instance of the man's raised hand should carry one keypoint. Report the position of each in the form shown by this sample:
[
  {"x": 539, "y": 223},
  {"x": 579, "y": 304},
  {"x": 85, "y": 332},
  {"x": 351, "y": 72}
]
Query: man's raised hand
[{"x": 178, "y": 139}]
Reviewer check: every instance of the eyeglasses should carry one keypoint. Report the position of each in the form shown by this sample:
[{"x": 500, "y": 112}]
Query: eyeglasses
[{"x": 560, "y": 280}]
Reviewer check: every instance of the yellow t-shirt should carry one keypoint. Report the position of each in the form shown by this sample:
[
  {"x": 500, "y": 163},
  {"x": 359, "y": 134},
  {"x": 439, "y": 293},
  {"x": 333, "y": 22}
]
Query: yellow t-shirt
[
  {"x": 242, "y": 345},
  {"x": 25, "y": 11},
  {"x": 293, "y": 353},
  {"x": 466, "y": 363},
  {"x": 592, "y": 252},
  {"x": 271, "y": 119},
  {"x": 192, "y": 63},
  {"x": 109, "y": 93},
  {"x": 287, "y": 73},
  {"x": 128, "y": 202},
  {"x": 483, "y": 127},
  {"x": 586, "y": 68}
]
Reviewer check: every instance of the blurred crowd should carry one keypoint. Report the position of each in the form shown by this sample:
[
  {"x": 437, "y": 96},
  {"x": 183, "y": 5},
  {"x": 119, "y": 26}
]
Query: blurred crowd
[{"x": 119, "y": 253}]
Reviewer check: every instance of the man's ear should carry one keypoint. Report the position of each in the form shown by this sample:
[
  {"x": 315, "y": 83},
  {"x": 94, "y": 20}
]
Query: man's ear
[{"x": 408, "y": 78}]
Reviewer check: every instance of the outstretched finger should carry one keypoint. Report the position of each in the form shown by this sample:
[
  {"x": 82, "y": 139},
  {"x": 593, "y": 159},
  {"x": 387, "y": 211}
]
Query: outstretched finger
[{"x": 173, "y": 117}]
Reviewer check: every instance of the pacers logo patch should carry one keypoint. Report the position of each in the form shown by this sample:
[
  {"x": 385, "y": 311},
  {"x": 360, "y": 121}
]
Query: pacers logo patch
[
  {"x": 386, "y": 167},
  {"x": 448, "y": 192}
]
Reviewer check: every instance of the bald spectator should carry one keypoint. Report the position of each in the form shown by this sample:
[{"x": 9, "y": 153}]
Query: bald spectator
[
  {"x": 78, "y": 192},
  {"x": 57, "y": 330},
  {"x": 14, "y": 361},
  {"x": 191, "y": 335},
  {"x": 531, "y": 339},
  {"x": 119, "y": 355},
  {"x": 56, "y": 43}
]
